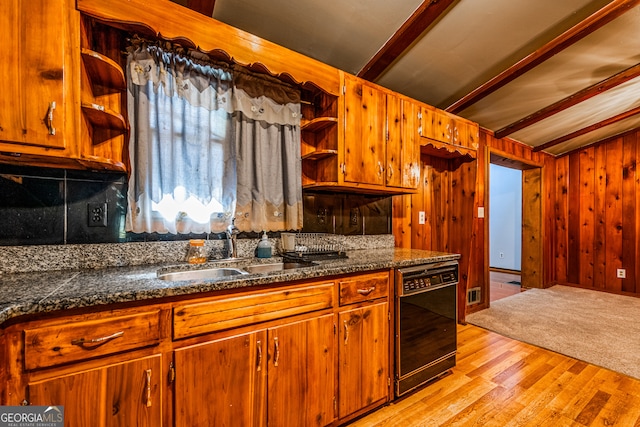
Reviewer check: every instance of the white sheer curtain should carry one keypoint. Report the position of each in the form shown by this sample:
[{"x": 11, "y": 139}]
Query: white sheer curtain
[{"x": 206, "y": 141}]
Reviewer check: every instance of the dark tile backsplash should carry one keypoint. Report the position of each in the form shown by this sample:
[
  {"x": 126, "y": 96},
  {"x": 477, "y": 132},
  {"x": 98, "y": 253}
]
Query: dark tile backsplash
[{"x": 40, "y": 206}]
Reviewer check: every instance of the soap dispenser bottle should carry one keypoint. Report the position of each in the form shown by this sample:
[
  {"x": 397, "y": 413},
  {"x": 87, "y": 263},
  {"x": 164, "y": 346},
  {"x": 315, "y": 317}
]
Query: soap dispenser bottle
[{"x": 264, "y": 247}]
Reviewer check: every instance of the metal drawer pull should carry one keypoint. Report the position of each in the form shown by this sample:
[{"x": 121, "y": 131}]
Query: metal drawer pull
[
  {"x": 82, "y": 341},
  {"x": 277, "y": 346},
  {"x": 366, "y": 291},
  {"x": 148, "y": 388},
  {"x": 346, "y": 332},
  {"x": 259, "y": 344},
  {"x": 49, "y": 118}
]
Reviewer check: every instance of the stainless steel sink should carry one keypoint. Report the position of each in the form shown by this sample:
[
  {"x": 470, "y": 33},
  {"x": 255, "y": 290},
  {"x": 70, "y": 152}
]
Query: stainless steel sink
[
  {"x": 209, "y": 273},
  {"x": 276, "y": 266}
]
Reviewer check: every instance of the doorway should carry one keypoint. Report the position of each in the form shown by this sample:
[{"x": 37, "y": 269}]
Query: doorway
[
  {"x": 505, "y": 231},
  {"x": 531, "y": 218}
]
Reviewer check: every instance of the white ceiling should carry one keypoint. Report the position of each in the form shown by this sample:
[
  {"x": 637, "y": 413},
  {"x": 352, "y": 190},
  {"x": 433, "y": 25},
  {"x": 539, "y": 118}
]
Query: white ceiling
[{"x": 470, "y": 43}]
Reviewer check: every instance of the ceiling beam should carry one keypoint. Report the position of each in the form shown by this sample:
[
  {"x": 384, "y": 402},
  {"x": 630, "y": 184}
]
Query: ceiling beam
[
  {"x": 428, "y": 12},
  {"x": 590, "y": 128},
  {"x": 204, "y": 7},
  {"x": 570, "y": 101},
  {"x": 563, "y": 41}
]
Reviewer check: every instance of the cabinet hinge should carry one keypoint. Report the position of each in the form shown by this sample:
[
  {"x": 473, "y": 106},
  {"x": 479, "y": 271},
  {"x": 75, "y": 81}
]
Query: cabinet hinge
[
  {"x": 172, "y": 372},
  {"x": 389, "y": 316},
  {"x": 388, "y": 381},
  {"x": 420, "y": 115},
  {"x": 343, "y": 168},
  {"x": 420, "y": 130},
  {"x": 344, "y": 89},
  {"x": 335, "y": 329}
]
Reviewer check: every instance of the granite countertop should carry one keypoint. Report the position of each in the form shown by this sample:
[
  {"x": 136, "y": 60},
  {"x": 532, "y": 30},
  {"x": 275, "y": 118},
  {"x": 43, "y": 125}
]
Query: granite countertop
[{"x": 48, "y": 291}]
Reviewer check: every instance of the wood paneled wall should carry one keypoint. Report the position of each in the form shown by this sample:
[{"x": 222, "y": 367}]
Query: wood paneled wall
[
  {"x": 597, "y": 216},
  {"x": 450, "y": 194}
]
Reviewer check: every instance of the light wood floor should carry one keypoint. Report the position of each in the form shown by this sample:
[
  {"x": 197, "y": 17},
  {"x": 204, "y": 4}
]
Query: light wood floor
[
  {"x": 500, "y": 286},
  {"x": 501, "y": 382}
]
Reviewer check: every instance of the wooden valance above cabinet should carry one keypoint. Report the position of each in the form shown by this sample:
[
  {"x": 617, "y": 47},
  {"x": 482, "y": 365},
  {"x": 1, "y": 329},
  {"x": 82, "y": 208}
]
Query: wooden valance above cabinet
[
  {"x": 170, "y": 21},
  {"x": 444, "y": 150}
]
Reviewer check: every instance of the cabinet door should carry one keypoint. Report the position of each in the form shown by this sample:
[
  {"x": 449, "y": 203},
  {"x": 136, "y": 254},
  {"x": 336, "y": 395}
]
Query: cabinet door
[
  {"x": 410, "y": 164},
  {"x": 363, "y": 352},
  {"x": 301, "y": 385},
  {"x": 220, "y": 383},
  {"x": 34, "y": 46},
  {"x": 403, "y": 152},
  {"x": 394, "y": 141},
  {"x": 364, "y": 145},
  {"x": 132, "y": 392}
]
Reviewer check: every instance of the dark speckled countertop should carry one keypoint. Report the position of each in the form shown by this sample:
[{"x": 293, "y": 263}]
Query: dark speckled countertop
[{"x": 48, "y": 291}]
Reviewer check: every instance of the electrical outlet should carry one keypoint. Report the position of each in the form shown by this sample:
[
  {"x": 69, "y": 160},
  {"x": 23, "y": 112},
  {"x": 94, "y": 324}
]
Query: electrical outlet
[
  {"x": 421, "y": 217},
  {"x": 97, "y": 214},
  {"x": 621, "y": 273}
]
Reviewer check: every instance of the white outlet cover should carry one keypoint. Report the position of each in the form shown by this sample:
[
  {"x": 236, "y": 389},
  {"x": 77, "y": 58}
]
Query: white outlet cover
[
  {"x": 621, "y": 273},
  {"x": 421, "y": 217},
  {"x": 480, "y": 211}
]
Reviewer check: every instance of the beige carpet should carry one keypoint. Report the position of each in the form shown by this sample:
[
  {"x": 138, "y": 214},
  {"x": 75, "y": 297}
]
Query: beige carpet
[{"x": 596, "y": 327}]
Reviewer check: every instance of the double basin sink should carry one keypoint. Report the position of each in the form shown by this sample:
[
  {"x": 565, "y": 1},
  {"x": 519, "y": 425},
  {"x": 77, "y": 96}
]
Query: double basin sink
[{"x": 218, "y": 272}]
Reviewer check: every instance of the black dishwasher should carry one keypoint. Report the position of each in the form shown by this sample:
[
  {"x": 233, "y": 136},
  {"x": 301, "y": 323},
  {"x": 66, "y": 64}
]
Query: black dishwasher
[{"x": 425, "y": 323}]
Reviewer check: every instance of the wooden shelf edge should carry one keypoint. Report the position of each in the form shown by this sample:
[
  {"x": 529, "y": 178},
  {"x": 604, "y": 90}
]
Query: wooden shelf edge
[
  {"x": 318, "y": 124},
  {"x": 358, "y": 188},
  {"x": 104, "y": 118},
  {"x": 105, "y": 74},
  {"x": 320, "y": 154}
]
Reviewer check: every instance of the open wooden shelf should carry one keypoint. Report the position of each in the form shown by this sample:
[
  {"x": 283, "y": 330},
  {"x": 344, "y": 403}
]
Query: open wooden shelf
[
  {"x": 103, "y": 118},
  {"x": 105, "y": 74},
  {"x": 319, "y": 154},
  {"x": 318, "y": 124}
]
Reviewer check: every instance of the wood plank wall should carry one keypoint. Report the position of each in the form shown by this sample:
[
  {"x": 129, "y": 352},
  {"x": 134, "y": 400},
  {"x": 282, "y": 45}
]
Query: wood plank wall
[
  {"x": 450, "y": 194},
  {"x": 597, "y": 216}
]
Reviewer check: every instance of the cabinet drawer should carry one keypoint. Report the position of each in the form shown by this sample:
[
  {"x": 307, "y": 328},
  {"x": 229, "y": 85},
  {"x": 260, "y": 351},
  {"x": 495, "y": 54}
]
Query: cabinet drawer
[
  {"x": 364, "y": 287},
  {"x": 64, "y": 342},
  {"x": 215, "y": 315}
]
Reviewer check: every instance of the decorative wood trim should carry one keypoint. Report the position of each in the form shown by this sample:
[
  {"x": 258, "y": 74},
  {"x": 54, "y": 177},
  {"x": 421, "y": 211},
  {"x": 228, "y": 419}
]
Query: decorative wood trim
[
  {"x": 446, "y": 151},
  {"x": 170, "y": 21},
  {"x": 563, "y": 41},
  {"x": 582, "y": 95},
  {"x": 428, "y": 12}
]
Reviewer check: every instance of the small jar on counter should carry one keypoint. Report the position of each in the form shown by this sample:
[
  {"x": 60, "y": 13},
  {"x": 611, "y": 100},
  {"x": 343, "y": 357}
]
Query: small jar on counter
[{"x": 196, "y": 254}]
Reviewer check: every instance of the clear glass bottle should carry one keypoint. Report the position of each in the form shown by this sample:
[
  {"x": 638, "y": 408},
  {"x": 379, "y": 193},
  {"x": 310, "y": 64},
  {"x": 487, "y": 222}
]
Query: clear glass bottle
[{"x": 196, "y": 254}]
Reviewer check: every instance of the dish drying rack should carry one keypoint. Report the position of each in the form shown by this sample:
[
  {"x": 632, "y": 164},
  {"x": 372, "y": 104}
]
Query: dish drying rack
[{"x": 315, "y": 246}]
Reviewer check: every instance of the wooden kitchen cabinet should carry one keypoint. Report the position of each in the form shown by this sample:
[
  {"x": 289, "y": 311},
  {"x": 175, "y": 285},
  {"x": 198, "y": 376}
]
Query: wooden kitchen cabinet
[
  {"x": 445, "y": 135},
  {"x": 363, "y": 343},
  {"x": 363, "y": 357},
  {"x": 63, "y": 94},
  {"x": 221, "y": 382},
  {"x": 370, "y": 146},
  {"x": 365, "y": 123},
  {"x": 300, "y": 375},
  {"x": 124, "y": 394},
  {"x": 38, "y": 106}
]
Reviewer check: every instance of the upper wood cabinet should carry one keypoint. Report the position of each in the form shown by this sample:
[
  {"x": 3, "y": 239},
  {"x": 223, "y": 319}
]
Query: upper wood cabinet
[
  {"x": 363, "y": 141},
  {"x": 62, "y": 93},
  {"x": 38, "y": 102},
  {"x": 445, "y": 135}
]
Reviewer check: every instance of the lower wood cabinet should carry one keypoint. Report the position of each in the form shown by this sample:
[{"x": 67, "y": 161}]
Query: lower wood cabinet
[
  {"x": 363, "y": 352},
  {"x": 221, "y": 382},
  {"x": 124, "y": 394},
  {"x": 300, "y": 373},
  {"x": 298, "y": 354}
]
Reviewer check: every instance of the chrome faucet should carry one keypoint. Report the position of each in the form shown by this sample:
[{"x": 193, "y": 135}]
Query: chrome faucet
[{"x": 231, "y": 233}]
